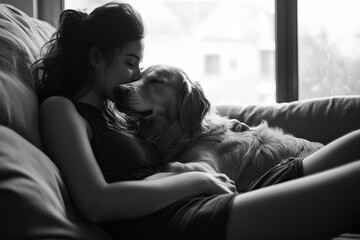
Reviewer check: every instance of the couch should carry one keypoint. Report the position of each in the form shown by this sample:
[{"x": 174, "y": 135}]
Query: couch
[{"x": 34, "y": 201}]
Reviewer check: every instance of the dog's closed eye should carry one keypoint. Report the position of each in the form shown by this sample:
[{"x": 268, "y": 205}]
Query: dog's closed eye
[{"x": 156, "y": 80}]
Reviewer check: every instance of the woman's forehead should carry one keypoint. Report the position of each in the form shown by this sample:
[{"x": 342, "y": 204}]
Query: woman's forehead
[{"x": 133, "y": 49}]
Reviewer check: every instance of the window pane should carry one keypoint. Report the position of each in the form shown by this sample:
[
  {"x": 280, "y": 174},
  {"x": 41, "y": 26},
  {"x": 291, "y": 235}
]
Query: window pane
[
  {"x": 329, "y": 47},
  {"x": 227, "y": 45}
]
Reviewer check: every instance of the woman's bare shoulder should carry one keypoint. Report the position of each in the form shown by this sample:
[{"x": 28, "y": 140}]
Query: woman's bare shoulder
[
  {"x": 59, "y": 107},
  {"x": 58, "y": 102},
  {"x": 58, "y": 110}
]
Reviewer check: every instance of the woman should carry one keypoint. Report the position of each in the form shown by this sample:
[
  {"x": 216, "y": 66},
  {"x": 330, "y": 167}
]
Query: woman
[{"x": 103, "y": 160}]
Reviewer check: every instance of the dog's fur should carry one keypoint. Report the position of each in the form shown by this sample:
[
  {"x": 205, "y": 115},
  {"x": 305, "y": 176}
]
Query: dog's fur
[{"x": 175, "y": 115}]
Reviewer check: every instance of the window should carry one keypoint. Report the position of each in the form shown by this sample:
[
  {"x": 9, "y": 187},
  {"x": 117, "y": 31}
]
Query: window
[
  {"x": 212, "y": 64},
  {"x": 267, "y": 62},
  {"x": 226, "y": 45},
  {"x": 329, "y": 47}
]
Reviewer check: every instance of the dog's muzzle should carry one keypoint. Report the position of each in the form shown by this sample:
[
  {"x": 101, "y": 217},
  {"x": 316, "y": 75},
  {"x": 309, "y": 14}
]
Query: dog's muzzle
[{"x": 120, "y": 91}]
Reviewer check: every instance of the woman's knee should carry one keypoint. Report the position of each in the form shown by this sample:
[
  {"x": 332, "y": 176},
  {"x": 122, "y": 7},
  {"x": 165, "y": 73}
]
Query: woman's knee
[
  {"x": 356, "y": 166},
  {"x": 351, "y": 171},
  {"x": 356, "y": 135}
]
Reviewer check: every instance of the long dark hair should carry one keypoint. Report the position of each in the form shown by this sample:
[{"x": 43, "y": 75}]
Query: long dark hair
[{"x": 64, "y": 68}]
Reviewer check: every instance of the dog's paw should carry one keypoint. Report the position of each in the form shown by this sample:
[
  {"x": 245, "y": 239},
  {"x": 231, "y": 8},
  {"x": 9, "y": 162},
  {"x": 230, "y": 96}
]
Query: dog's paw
[
  {"x": 237, "y": 126},
  {"x": 176, "y": 167}
]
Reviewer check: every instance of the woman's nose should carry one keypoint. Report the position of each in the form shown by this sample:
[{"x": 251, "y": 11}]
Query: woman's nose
[{"x": 136, "y": 75}]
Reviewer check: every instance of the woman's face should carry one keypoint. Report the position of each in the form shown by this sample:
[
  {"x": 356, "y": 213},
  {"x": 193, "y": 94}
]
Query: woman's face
[{"x": 123, "y": 68}]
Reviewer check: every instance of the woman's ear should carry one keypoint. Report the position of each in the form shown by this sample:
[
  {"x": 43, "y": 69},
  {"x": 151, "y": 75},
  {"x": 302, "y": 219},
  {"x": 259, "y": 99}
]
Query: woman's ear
[{"x": 95, "y": 57}]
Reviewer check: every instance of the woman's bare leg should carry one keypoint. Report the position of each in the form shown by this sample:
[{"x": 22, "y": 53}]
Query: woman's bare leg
[
  {"x": 339, "y": 152},
  {"x": 319, "y": 206}
]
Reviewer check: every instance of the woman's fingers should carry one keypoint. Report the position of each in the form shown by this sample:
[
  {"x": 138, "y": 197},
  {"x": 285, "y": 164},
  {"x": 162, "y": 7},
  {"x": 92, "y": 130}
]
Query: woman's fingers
[{"x": 225, "y": 181}]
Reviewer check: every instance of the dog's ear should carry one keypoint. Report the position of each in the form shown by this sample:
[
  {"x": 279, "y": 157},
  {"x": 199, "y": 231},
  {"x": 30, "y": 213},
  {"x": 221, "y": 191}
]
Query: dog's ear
[{"x": 194, "y": 105}]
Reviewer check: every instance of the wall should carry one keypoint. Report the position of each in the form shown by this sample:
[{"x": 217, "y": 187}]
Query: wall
[
  {"x": 27, "y": 6},
  {"x": 47, "y": 10}
]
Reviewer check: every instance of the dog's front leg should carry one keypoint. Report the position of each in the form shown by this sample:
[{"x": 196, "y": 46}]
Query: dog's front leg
[{"x": 189, "y": 167}]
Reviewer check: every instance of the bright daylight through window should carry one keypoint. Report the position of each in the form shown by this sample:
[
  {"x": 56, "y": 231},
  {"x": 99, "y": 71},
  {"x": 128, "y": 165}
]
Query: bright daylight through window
[{"x": 227, "y": 45}]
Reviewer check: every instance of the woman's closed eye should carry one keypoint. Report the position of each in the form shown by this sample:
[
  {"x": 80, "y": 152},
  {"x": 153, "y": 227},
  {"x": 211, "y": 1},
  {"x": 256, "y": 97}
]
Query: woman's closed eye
[{"x": 131, "y": 63}]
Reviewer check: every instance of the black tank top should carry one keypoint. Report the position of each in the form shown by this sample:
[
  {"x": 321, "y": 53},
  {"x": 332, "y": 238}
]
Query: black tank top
[{"x": 120, "y": 155}]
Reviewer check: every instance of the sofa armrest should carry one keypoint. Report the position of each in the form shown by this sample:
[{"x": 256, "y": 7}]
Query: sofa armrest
[{"x": 319, "y": 119}]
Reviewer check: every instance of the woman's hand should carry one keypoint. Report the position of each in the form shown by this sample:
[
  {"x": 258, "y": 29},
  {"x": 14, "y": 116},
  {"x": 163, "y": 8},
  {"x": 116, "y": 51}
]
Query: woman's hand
[{"x": 220, "y": 183}]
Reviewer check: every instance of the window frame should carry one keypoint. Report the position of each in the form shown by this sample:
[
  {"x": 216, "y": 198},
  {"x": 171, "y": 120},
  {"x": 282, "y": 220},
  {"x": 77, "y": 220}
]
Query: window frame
[{"x": 286, "y": 51}]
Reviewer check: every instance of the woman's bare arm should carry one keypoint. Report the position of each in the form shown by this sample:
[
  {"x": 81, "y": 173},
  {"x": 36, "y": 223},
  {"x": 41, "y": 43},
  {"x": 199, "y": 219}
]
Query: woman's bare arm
[{"x": 66, "y": 140}]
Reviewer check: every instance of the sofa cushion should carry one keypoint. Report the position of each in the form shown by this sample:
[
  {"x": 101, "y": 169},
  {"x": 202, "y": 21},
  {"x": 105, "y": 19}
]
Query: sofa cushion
[
  {"x": 21, "y": 39},
  {"x": 319, "y": 119},
  {"x": 34, "y": 203}
]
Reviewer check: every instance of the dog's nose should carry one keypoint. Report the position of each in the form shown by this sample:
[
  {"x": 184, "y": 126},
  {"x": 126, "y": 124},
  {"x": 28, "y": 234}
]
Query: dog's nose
[{"x": 120, "y": 91}]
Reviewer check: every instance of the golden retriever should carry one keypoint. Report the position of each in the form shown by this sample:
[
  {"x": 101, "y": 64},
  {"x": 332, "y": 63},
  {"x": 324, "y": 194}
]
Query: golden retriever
[{"x": 175, "y": 115}]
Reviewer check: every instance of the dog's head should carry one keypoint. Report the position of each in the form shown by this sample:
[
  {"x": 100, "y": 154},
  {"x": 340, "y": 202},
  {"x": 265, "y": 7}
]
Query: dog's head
[{"x": 163, "y": 96}]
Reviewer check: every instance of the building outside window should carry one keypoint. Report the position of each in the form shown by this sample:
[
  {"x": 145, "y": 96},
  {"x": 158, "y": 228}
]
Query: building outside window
[{"x": 212, "y": 64}]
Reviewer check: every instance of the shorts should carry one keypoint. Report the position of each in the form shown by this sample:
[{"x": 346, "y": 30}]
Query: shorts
[
  {"x": 195, "y": 218},
  {"x": 286, "y": 170}
]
